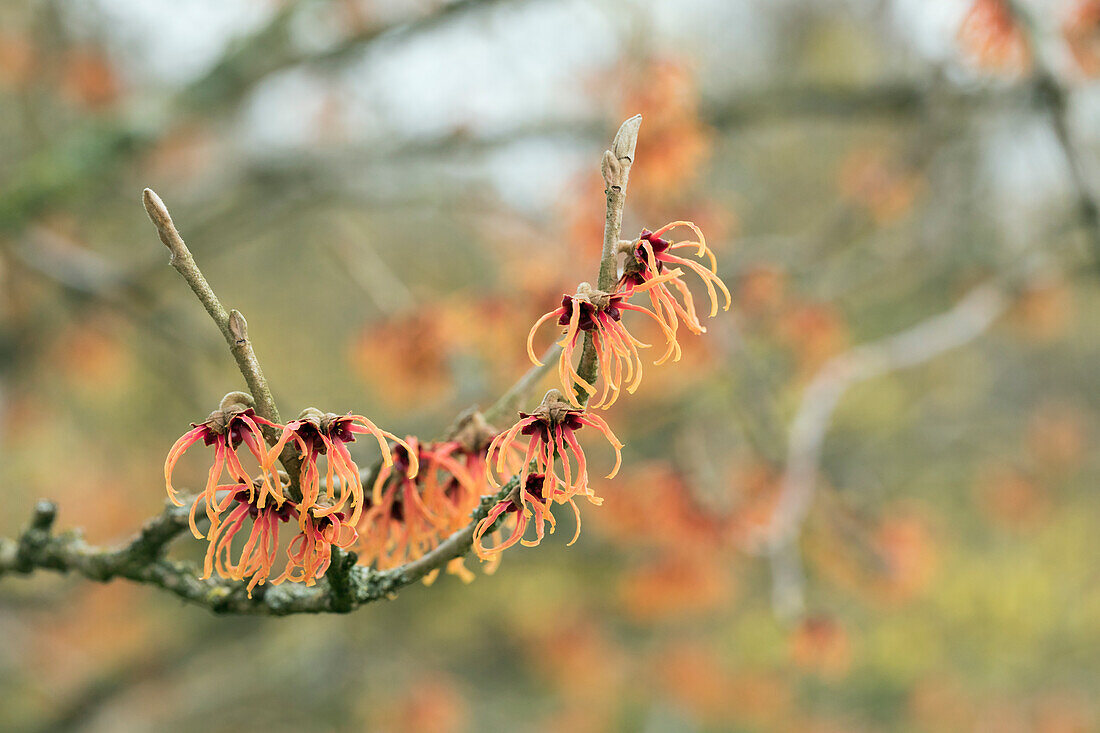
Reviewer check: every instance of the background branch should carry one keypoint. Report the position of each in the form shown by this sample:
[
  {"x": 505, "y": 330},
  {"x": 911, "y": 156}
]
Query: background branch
[{"x": 967, "y": 320}]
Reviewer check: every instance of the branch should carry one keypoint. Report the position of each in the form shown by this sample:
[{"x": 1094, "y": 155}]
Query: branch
[
  {"x": 141, "y": 560},
  {"x": 616, "y": 174},
  {"x": 967, "y": 320},
  {"x": 1052, "y": 95},
  {"x": 233, "y": 326},
  {"x": 273, "y": 49},
  {"x": 347, "y": 585},
  {"x": 510, "y": 401},
  {"x": 38, "y": 547}
]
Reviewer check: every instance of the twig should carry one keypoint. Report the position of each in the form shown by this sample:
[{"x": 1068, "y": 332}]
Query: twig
[
  {"x": 374, "y": 277},
  {"x": 232, "y": 324},
  {"x": 616, "y": 174},
  {"x": 141, "y": 560},
  {"x": 457, "y": 545},
  {"x": 38, "y": 547},
  {"x": 274, "y": 49},
  {"x": 510, "y": 401},
  {"x": 968, "y": 319},
  {"x": 1053, "y": 96}
]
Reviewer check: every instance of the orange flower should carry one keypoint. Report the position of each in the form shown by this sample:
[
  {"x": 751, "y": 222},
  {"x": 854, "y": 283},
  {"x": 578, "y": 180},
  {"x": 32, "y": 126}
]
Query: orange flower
[
  {"x": 991, "y": 33},
  {"x": 761, "y": 289},
  {"x": 399, "y": 524},
  {"x": 527, "y": 501},
  {"x": 813, "y": 332},
  {"x": 316, "y": 433},
  {"x": 233, "y": 423},
  {"x": 645, "y": 270},
  {"x": 820, "y": 645},
  {"x": 682, "y": 526},
  {"x": 676, "y": 586},
  {"x": 446, "y": 478},
  {"x": 872, "y": 180},
  {"x": 1082, "y": 34},
  {"x": 408, "y": 517},
  {"x": 410, "y": 353},
  {"x": 89, "y": 79},
  {"x": 310, "y": 552},
  {"x": 1057, "y": 436},
  {"x": 552, "y": 428},
  {"x": 599, "y": 314},
  {"x": 1011, "y": 498},
  {"x": 669, "y": 156},
  {"x": 259, "y": 551}
]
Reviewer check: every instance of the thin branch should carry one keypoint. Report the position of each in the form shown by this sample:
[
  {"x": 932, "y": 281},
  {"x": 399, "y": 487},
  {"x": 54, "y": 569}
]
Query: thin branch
[
  {"x": 1052, "y": 95},
  {"x": 510, "y": 401},
  {"x": 273, "y": 48},
  {"x": 370, "y": 272},
  {"x": 38, "y": 547},
  {"x": 232, "y": 324},
  {"x": 967, "y": 320},
  {"x": 141, "y": 560},
  {"x": 616, "y": 174}
]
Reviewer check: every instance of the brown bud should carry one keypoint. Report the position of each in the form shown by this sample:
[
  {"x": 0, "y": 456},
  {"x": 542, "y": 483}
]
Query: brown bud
[
  {"x": 611, "y": 169},
  {"x": 312, "y": 415},
  {"x": 156, "y": 209},
  {"x": 238, "y": 326},
  {"x": 236, "y": 402}
]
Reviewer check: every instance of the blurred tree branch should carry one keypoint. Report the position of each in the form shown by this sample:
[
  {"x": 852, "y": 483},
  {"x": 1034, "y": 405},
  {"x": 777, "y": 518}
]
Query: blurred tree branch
[
  {"x": 969, "y": 318},
  {"x": 1052, "y": 95},
  {"x": 272, "y": 49}
]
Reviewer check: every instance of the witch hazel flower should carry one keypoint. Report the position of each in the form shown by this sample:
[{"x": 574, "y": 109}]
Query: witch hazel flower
[
  {"x": 468, "y": 447},
  {"x": 310, "y": 552},
  {"x": 450, "y": 491},
  {"x": 399, "y": 525},
  {"x": 654, "y": 265},
  {"x": 258, "y": 554},
  {"x": 599, "y": 314},
  {"x": 233, "y": 424},
  {"x": 529, "y": 504},
  {"x": 458, "y": 467},
  {"x": 552, "y": 428},
  {"x": 317, "y": 434}
]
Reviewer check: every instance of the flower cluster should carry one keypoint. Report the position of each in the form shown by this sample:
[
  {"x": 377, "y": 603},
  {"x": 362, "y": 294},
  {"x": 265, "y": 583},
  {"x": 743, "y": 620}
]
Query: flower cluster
[
  {"x": 552, "y": 443},
  {"x": 654, "y": 266},
  {"x": 409, "y": 516},
  {"x": 422, "y": 493},
  {"x": 554, "y": 469},
  {"x": 326, "y": 513}
]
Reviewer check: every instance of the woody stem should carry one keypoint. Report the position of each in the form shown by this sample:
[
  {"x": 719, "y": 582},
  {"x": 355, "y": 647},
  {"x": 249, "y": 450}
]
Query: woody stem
[
  {"x": 232, "y": 324},
  {"x": 616, "y": 174}
]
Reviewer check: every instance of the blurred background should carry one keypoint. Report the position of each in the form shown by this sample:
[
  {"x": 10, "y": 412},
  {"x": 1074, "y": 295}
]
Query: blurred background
[{"x": 863, "y": 501}]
